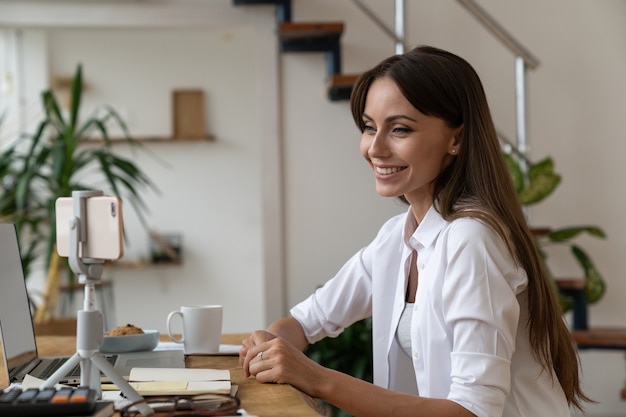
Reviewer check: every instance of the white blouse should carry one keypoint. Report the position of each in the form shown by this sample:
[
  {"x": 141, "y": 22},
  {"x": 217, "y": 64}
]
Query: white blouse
[{"x": 466, "y": 342}]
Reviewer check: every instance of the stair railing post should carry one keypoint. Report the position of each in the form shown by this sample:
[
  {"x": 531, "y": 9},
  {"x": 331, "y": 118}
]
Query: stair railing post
[
  {"x": 520, "y": 111},
  {"x": 520, "y": 120},
  {"x": 399, "y": 26}
]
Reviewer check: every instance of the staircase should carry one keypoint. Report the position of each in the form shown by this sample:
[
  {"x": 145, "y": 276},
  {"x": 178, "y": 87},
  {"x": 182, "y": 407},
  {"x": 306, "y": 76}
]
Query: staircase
[{"x": 317, "y": 37}]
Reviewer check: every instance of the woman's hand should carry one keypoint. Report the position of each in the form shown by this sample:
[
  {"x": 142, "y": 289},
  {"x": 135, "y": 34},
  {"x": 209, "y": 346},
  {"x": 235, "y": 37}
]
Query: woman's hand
[
  {"x": 286, "y": 328},
  {"x": 256, "y": 338},
  {"x": 278, "y": 361}
]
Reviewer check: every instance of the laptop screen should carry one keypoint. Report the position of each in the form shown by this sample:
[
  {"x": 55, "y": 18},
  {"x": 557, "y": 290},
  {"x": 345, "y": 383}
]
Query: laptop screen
[
  {"x": 4, "y": 371},
  {"x": 18, "y": 336}
]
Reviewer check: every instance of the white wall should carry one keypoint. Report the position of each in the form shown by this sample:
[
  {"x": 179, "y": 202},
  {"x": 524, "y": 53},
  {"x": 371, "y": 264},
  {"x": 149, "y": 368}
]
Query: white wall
[{"x": 575, "y": 101}]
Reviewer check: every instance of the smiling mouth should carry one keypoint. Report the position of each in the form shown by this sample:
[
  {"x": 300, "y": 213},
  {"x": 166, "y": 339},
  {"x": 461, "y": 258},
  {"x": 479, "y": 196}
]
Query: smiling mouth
[{"x": 387, "y": 170}]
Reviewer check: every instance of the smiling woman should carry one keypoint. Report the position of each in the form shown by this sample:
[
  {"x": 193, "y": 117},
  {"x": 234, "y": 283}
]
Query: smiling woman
[{"x": 465, "y": 321}]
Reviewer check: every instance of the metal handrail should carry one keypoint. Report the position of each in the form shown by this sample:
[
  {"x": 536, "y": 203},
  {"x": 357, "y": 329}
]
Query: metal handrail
[
  {"x": 500, "y": 33},
  {"x": 398, "y": 35}
]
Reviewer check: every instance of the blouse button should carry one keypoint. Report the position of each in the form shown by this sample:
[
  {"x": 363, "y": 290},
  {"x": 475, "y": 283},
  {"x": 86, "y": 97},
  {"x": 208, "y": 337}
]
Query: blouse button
[
  {"x": 421, "y": 266},
  {"x": 416, "y": 354},
  {"x": 413, "y": 241}
]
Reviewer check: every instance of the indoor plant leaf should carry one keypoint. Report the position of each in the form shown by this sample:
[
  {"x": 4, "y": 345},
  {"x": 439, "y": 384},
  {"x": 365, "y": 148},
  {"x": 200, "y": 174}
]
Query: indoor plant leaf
[
  {"x": 594, "y": 283},
  {"x": 543, "y": 167},
  {"x": 516, "y": 172},
  {"x": 567, "y": 233},
  {"x": 540, "y": 186}
]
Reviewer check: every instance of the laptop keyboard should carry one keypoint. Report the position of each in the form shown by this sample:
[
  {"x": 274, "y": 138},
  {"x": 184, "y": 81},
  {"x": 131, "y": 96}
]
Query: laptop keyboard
[{"x": 55, "y": 363}]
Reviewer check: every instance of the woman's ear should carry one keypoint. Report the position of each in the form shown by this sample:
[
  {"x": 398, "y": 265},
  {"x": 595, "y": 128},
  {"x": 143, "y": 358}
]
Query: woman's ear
[
  {"x": 458, "y": 139},
  {"x": 458, "y": 136}
]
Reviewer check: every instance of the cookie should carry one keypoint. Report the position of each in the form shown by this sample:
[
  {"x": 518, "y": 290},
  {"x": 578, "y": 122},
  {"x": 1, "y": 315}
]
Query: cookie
[{"x": 125, "y": 330}]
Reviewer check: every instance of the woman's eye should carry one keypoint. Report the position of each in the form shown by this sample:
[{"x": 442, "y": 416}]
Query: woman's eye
[
  {"x": 369, "y": 129},
  {"x": 401, "y": 130}
]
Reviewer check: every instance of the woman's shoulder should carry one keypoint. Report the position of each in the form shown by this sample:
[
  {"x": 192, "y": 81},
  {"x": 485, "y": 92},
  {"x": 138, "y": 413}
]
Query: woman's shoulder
[
  {"x": 471, "y": 228},
  {"x": 392, "y": 226}
]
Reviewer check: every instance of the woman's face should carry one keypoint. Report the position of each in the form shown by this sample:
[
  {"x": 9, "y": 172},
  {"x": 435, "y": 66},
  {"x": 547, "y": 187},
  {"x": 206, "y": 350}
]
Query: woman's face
[{"x": 406, "y": 149}]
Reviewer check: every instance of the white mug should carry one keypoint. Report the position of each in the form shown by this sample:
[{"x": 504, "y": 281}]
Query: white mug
[{"x": 202, "y": 328}]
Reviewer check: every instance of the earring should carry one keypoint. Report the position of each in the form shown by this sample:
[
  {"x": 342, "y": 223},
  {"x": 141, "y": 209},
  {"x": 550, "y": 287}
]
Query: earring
[{"x": 453, "y": 151}]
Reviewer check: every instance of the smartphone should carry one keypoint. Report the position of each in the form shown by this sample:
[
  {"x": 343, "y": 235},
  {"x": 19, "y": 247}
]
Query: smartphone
[{"x": 104, "y": 227}]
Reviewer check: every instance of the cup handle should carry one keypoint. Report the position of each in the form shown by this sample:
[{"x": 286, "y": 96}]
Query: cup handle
[{"x": 169, "y": 326}]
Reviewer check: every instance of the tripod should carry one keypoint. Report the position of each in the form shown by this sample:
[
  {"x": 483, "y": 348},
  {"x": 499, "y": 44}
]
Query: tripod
[{"x": 90, "y": 323}]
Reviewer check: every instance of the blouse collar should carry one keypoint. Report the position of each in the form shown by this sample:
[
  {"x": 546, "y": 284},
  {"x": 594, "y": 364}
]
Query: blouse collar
[{"x": 424, "y": 234}]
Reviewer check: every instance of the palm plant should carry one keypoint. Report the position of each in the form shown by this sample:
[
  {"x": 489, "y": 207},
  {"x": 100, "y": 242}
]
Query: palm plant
[{"x": 60, "y": 157}]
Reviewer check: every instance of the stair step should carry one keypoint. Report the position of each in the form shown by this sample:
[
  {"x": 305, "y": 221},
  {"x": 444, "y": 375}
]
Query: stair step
[
  {"x": 309, "y": 37},
  {"x": 283, "y": 7},
  {"x": 601, "y": 338},
  {"x": 570, "y": 283},
  {"x": 339, "y": 86},
  {"x": 242, "y": 2}
]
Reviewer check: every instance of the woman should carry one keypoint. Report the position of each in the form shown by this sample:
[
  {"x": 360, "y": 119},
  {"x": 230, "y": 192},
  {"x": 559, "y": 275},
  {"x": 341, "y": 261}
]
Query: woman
[{"x": 465, "y": 320}]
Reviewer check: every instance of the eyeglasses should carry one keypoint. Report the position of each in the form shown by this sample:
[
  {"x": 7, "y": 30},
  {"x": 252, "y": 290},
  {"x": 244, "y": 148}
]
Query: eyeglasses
[{"x": 198, "y": 405}]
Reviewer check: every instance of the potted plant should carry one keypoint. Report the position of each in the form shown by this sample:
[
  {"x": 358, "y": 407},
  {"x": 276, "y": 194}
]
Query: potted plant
[
  {"x": 52, "y": 162},
  {"x": 534, "y": 186}
]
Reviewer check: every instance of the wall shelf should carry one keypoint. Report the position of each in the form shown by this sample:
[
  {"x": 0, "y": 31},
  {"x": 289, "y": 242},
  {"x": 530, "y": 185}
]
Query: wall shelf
[
  {"x": 139, "y": 264},
  {"x": 157, "y": 139}
]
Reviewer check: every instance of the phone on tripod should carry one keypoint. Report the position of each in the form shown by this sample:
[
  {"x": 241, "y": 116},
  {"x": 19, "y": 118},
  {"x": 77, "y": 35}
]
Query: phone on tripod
[{"x": 104, "y": 225}]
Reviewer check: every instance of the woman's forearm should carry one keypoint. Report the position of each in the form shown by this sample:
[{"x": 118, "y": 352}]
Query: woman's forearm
[
  {"x": 362, "y": 399},
  {"x": 289, "y": 329}
]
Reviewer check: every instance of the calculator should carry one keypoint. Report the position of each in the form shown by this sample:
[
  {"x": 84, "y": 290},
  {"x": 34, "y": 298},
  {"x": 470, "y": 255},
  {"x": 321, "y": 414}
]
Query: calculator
[{"x": 33, "y": 402}]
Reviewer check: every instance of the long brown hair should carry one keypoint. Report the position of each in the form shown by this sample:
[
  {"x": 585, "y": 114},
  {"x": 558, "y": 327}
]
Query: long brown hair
[{"x": 477, "y": 184}]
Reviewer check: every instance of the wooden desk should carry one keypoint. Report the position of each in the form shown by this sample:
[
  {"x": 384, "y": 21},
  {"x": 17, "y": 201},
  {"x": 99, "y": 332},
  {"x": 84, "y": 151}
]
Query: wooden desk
[{"x": 263, "y": 400}]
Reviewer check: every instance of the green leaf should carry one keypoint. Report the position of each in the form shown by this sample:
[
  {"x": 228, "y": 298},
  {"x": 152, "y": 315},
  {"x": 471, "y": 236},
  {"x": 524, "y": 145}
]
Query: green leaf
[
  {"x": 544, "y": 167},
  {"x": 539, "y": 188},
  {"x": 515, "y": 171},
  {"x": 563, "y": 234},
  {"x": 582, "y": 257},
  {"x": 595, "y": 286},
  {"x": 53, "y": 112},
  {"x": 77, "y": 88}
]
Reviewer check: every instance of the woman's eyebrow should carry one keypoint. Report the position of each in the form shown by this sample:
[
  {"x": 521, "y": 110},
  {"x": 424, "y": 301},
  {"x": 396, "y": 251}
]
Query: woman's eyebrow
[
  {"x": 393, "y": 118},
  {"x": 400, "y": 117}
]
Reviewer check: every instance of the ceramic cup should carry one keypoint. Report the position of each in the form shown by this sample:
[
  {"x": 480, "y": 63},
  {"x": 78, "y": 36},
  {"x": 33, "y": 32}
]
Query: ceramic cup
[{"x": 201, "y": 328}]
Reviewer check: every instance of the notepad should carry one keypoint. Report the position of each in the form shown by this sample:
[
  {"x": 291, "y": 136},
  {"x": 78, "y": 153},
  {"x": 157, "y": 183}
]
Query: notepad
[{"x": 179, "y": 381}]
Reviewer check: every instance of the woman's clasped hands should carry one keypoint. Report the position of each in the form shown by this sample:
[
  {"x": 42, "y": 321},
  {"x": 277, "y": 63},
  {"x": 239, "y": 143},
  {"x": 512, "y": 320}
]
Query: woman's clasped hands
[{"x": 273, "y": 359}]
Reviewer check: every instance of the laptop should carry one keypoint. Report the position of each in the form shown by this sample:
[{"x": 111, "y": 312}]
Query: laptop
[{"x": 17, "y": 334}]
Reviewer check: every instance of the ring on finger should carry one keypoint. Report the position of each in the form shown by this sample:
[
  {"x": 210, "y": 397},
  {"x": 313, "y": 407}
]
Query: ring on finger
[{"x": 260, "y": 356}]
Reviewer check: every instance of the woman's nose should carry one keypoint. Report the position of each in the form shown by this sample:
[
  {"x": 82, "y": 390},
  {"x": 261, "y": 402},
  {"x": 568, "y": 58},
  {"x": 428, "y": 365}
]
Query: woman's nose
[{"x": 378, "y": 146}]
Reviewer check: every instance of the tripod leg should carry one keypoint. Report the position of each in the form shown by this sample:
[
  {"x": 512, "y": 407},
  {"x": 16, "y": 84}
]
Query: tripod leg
[
  {"x": 90, "y": 376},
  {"x": 101, "y": 363},
  {"x": 62, "y": 371}
]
